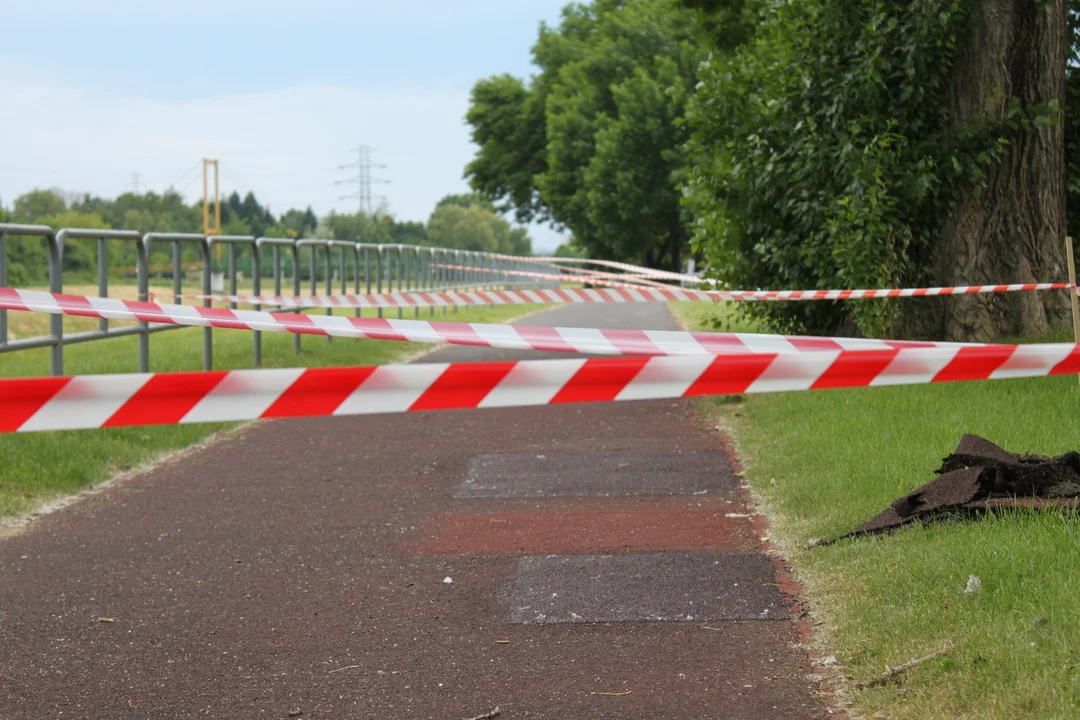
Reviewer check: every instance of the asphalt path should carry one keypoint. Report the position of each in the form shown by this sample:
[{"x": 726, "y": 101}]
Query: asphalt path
[{"x": 577, "y": 561}]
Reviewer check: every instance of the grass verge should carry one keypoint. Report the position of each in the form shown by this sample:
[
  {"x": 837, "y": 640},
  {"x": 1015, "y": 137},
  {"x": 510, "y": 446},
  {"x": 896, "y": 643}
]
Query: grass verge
[
  {"x": 823, "y": 462},
  {"x": 43, "y": 467}
]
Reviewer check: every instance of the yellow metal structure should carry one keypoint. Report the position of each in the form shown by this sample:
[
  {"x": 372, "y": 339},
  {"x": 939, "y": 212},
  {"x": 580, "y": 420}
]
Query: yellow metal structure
[{"x": 215, "y": 228}]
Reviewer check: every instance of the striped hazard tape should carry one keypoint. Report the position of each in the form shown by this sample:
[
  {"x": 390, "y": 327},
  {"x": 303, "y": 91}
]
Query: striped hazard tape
[
  {"x": 780, "y": 295},
  {"x": 652, "y": 273},
  {"x": 96, "y": 401},
  {"x": 586, "y": 341},
  {"x": 615, "y": 292},
  {"x": 605, "y": 279},
  {"x": 624, "y": 277}
]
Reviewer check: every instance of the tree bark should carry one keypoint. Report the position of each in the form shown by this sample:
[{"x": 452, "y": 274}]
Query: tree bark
[{"x": 1015, "y": 230}]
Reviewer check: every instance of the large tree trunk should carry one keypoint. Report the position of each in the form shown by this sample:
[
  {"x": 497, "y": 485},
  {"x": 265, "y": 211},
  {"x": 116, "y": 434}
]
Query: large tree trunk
[{"x": 1014, "y": 231}]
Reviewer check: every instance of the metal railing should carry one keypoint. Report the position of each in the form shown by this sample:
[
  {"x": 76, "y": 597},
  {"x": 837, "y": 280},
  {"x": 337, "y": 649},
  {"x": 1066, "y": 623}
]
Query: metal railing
[{"x": 387, "y": 268}]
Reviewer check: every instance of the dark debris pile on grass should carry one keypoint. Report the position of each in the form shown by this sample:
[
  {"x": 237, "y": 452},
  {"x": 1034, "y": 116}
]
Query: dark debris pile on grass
[{"x": 978, "y": 476}]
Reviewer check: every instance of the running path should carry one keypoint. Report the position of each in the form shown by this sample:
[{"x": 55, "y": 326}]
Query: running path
[{"x": 599, "y": 564}]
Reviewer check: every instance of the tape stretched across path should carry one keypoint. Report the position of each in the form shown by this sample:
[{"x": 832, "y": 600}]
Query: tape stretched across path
[
  {"x": 586, "y": 341},
  {"x": 562, "y": 296},
  {"x": 95, "y": 401},
  {"x": 621, "y": 292},
  {"x": 624, "y": 277},
  {"x": 789, "y": 295},
  {"x": 625, "y": 267}
]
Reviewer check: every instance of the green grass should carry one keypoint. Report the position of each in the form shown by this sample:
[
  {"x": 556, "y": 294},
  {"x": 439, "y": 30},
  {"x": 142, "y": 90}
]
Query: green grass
[
  {"x": 41, "y": 467},
  {"x": 823, "y": 462}
]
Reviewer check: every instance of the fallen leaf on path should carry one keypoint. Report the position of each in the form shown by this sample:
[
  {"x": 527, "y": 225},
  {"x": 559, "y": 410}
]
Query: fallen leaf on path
[
  {"x": 615, "y": 694},
  {"x": 105, "y": 620}
]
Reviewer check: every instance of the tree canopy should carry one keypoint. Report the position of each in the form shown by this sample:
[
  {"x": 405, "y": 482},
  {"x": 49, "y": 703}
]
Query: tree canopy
[
  {"x": 802, "y": 144},
  {"x": 594, "y": 144},
  {"x": 826, "y": 151}
]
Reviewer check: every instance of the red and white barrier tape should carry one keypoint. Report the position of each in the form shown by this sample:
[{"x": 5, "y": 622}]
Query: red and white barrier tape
[
  {"x": 593, "y": 279},
  {"x": 562, "y": 296},
  {"x": 620, "y": 292},
  {"x": 586, "y": 341},
  {"x": 626, "y": 267},
  {"x": 779, "y": 295},
  {"x": 619, "y": 277},
  {"x": 93, "y": 401}
]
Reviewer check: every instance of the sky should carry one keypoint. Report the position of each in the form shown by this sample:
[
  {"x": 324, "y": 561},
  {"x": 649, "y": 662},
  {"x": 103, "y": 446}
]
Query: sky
[{"x": 105, "y": 96}]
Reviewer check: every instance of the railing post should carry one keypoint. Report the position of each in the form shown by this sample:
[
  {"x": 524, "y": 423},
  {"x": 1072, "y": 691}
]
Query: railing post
[
  {"x": 232, "y": 274},
  {"x": 379, "y": 274},
  {"x": 313, "y": 271},
  {"x": 356, "y": 275},
  {"x": 458, "y": 275},
  {"x": 207, "y": 288},
  {"x": 56, "y": 322},
  {"x": 296, "y": 291},
  {"x": 414, "y": 276},
  {"x": 429, "y": 284},
  {"x": 256, "y": 290},
  {"x": 276, "y": 259},
  {"x": 142, "y": 271},
  {"x": 103, "y": 277},
  {"x": 178, "y": 273},
  {"x": 3, "y": 283},
  {"x": 329, "y": 285},
  {"x": 341, "y": 265},
  {"x": 444, "y": 274},
  {"x": 400, "y": 278}
]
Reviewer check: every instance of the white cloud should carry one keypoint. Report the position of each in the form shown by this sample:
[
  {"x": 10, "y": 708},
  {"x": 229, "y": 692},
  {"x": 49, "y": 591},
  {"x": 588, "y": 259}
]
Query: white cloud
[{"x": 284, "y": 144}]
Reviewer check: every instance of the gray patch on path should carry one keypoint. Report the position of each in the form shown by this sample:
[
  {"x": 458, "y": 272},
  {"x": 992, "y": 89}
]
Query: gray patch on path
[
  {"x": 655, "y": 587},
  {"x": 602, "y": 474}
]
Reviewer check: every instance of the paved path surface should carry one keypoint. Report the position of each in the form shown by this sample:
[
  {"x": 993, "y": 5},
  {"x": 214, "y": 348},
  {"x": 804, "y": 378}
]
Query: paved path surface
[{"x": 599, "y": 559}]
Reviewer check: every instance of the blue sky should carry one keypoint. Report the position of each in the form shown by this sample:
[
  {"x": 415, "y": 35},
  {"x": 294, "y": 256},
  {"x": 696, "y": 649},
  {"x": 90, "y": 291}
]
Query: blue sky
[{"x": 96, "y": 90}]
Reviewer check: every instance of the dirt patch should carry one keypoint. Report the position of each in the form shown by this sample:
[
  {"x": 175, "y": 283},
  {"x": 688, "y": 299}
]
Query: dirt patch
[{"x": 979, "y": 476}]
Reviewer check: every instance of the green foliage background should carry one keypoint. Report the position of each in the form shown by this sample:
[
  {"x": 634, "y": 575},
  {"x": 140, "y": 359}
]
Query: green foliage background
[
  {"x": 823, "y": 153},
  {"x": 799, "y": 144},
  {"x": 152, "y": 212}
]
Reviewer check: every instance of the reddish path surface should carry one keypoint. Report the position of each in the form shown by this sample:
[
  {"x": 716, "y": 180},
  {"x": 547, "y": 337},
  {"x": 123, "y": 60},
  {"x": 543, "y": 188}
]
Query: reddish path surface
[{"x": 299, "y": 567}]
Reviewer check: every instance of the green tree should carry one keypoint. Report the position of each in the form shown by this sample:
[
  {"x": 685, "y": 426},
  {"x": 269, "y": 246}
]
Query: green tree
[
  {"x": 298, "y": 223},
  {"x": 510, "y": 128},
  {"x": 471, "y": 228},
  {"x": 594, "y": 143},
  {"x": 569, "y": 249},
  {"x": 358, "y": 227},
  {"x": 36, "y": 204},
  {"x": 467, "y": 200},
  {"x": 520, "y": 242},
  {"x": 514, "y": 240},
  {"x": 875, "y": 144},
  {"x": 1072, "y": 125},
  {"x": 80, "y": 256},
  {"x": 409, "y": 233}
]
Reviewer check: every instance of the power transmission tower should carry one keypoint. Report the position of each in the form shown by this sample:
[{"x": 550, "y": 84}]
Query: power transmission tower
[
  {"x": 135, "y": 177},
  {"x": 363, "y": 179}
]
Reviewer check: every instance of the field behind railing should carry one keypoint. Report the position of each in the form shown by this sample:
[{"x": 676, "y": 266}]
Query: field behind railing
[{"x": 42, "y": 467}]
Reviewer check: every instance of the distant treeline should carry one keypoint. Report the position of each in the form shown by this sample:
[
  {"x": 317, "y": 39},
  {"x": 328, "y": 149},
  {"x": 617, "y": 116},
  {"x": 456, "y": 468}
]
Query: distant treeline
[{"x": 466, "y": 221}]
